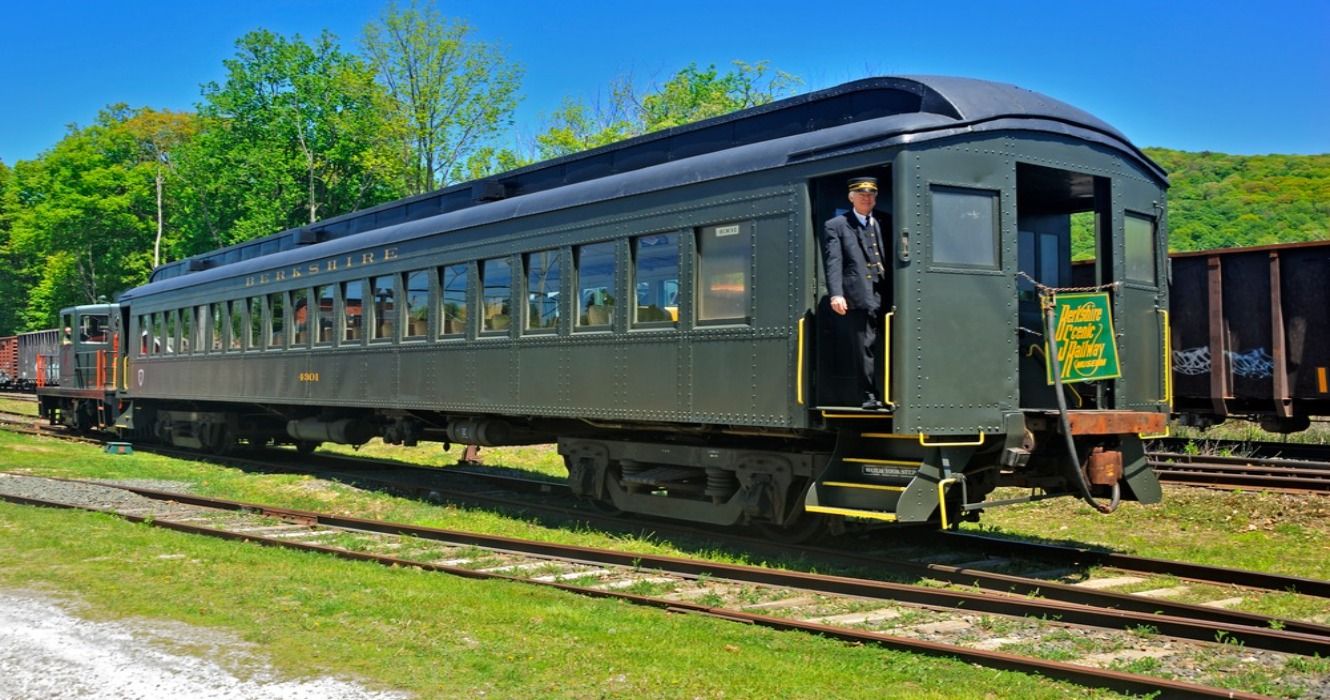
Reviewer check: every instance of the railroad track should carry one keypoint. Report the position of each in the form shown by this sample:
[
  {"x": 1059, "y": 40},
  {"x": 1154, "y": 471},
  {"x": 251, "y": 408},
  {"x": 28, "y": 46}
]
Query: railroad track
[
  {"x": 1235, "y": 472},
  {"x": 860, "y": 610},
  {"x": 491, "y": 487},
  {"x": 18, "y": 397}
]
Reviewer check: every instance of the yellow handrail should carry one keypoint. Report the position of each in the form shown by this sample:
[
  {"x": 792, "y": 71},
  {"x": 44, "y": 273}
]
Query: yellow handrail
[
  {"x": 886, "y": 359},
  {"x": 923, "y": 440},
  {"x": 1168, "y": 360},
  {"x": 942, "y": 498},
  {"x": 799, "y": 367},
  {"x": 1168, "y": 377}
]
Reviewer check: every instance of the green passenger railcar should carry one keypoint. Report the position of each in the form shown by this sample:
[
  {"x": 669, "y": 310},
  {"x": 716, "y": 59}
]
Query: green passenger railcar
[{"x": 657, "y": 308}]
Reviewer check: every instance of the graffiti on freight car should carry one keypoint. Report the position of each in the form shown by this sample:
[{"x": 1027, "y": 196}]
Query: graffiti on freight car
[{"x": 1252, "y": 364}]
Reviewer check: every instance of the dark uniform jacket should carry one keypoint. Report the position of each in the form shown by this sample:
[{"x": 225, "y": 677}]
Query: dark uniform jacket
[{"x": 849, "y": 254}]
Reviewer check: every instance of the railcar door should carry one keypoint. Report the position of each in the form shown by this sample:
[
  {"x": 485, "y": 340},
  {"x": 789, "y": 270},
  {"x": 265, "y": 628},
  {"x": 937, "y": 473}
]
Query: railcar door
[
  {"x": 954, "y": 341},
  {"x": 1143, "y": 295},
  {"x": 838, "y": 355}
]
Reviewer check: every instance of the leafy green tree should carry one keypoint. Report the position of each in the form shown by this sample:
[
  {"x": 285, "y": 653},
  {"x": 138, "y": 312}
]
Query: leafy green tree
[
  {"x": 81, "y": 218},
  {"x": 294, "y": 134},
  {"x": 10, "y": 288},
  {"x": 448, "y": 94},
  {"x": 159, "y": 134},
  {"x": 691, "y": 95},
  {"x": 1218, "y": 200}
]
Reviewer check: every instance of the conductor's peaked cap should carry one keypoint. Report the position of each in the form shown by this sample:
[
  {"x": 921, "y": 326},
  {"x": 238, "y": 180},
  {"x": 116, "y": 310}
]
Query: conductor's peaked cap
[{"x": 863, "y": 184}]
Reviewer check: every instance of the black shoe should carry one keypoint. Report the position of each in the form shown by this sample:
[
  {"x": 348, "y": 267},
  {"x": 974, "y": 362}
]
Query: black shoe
[{"x": 872, "y": 404}]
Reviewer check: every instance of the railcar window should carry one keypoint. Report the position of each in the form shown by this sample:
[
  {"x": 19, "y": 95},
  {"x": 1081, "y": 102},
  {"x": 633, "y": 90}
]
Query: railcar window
[
  {"x": 300, "y": 318},
  {"x": 277, "y": 321},
  {"x": 218, "y": 327},
  {"x": 145, "y": 333},
  {"x": 417, "y": 305},
  {"x": 596, "y": 285},
  {"x": 171, "y": 325},
  {"x": 385, "y": 307},
  {"x": 237, "y": 333},
  {"x": 353, "y": 303},
  {"x": 186, "y": 330},
  {"x": 157, "y": 333},
  {"x": 256, "y": 323},
  {"x": 454, "y": 300},
  {"x": 93, "y": 328},
  {"x": 542, "y": 290},
  {"x": 965, "y": 228},
  {"x": 1140, "y": 235},
  {"x": 725, "y": 261},
  {"x": 496, "y": 280},
  {"x": 656, "y": 278},
  {"x": 327, "y": 309},
  {"x": 201, "y": 328}
]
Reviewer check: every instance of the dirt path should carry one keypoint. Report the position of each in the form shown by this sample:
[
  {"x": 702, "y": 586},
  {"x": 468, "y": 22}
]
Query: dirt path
[{"x": 47, "y": 652}]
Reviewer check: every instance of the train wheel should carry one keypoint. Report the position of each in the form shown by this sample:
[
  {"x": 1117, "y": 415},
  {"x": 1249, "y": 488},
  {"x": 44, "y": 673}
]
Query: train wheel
[
  {"x": 218, "y": 439},
  {"x": 306, "y": 447},
  {"x": 805, "y": 527}
]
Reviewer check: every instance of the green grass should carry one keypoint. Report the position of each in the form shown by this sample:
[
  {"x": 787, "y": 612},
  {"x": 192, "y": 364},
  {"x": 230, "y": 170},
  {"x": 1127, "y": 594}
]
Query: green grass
[
  {"x": 23, "y": 408},
  {"x": 431, "y": 634},
  {"x": 437, "y": 635},
  {"x": 1317, "y": 434},
  {"x": 537, "y": 460}
]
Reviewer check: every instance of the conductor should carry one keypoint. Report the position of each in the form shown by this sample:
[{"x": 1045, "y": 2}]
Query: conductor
[{"x": 853, "y": 253}]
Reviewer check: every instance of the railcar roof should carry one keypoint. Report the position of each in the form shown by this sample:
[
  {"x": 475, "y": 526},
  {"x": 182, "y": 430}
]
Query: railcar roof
[{"x": 854, "y": 116}]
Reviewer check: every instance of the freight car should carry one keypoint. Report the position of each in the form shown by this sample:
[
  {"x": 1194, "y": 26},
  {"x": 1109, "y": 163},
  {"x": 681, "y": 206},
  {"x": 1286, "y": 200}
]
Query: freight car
[
  {"x": 28, "y": 360},
  {"x": 657, "y": 307},
  {"x": 1252, "y": 340},
  {"x": 9, "y": 363}
]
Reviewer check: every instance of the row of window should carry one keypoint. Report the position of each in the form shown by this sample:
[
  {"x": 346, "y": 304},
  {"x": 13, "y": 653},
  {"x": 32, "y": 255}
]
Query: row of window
[{"x": 399, "y": 307}]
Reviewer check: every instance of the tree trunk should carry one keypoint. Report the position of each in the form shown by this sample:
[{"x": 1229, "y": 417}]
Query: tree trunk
[{"x": 157, "y": 245}]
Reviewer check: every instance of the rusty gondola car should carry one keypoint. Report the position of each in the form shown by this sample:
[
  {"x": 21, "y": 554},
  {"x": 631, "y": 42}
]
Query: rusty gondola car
[
  {"x": 28, "y": 360},
  {"x": 653, "y": 306},
  {"x": 1253, "y": 339}
]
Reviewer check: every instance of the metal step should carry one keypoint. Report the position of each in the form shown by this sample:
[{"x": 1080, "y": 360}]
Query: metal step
[{"x": 852, "y": 513}]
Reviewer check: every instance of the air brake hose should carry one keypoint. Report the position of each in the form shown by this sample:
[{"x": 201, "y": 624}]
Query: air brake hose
[{"x": 1074, "y": 463}]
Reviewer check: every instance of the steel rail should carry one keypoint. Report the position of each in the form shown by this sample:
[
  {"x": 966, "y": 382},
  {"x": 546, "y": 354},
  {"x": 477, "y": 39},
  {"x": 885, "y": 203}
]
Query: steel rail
[
  {"x": 1083, "y": 675},
  {"x": 1193, "y": 572},
  {"x": 1297, "y": 451},
  {"x": 963, "y": 576},
  {"x": 1000, "y": 604}
]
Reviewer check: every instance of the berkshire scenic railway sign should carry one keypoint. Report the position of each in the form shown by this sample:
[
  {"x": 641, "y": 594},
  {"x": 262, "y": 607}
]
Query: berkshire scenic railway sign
[{"x": 1083, "y": 329}]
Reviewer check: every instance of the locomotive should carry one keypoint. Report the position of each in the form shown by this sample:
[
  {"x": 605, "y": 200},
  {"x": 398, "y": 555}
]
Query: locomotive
[{"x": 657, "y": 308}]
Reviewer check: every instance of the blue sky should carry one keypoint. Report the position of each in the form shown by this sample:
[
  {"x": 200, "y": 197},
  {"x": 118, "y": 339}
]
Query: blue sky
[{"x": 1237, "y": 77}]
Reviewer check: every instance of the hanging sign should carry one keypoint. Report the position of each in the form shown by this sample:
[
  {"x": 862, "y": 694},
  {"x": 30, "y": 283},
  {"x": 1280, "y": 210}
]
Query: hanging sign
[{"x": 1083, "y": 329}]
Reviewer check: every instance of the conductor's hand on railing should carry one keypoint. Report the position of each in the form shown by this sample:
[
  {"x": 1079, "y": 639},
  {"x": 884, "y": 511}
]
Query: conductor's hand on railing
[{"x": 839, "y": 306}]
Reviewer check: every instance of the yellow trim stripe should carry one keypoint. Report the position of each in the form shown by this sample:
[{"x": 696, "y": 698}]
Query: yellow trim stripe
[
  {"x": 856, "y": 415},
  {"x": 896, "y": 462},
  {"x": 1320, "y": 379},
  {"x": 887, "y": 436},
  {"x": 874, "y": 487},
  {"x": 849, "y": 513}
]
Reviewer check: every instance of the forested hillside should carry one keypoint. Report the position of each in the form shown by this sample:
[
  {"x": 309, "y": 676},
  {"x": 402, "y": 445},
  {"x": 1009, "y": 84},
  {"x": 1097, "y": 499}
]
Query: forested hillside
[{"x": 1219, "y": 201}]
